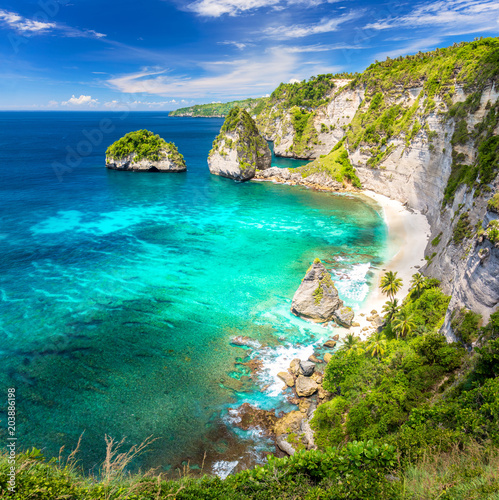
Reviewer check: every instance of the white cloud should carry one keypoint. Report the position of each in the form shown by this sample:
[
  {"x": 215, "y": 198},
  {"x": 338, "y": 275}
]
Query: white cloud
[
  {"x": 83, "y": 100},
  {"x": 453, "y": 17},
  {"x": 258, "y": 74},
  {"x": 24, "y": 25},
  {"x": 34, "y": 27},
  {"x": 294, "y": 80},
  {"x": 239, "y": 45},
  {"x": 303, "y": 30},
  {"x": 217, "y": 8}
]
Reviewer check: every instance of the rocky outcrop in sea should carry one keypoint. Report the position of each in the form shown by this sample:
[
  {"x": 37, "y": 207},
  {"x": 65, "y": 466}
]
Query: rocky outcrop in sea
[
  {"x": 144, "y": 151},
  {"x": 316, "y": 298},
  {"x": 239, "y": 151}
]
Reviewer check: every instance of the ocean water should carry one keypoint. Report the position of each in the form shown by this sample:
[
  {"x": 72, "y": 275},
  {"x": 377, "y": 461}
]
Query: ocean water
[{"x": 120, "y": 292}]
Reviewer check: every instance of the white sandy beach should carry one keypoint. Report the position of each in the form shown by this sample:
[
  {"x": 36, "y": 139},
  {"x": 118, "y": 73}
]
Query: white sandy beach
[{"x": 408, "y": 234}]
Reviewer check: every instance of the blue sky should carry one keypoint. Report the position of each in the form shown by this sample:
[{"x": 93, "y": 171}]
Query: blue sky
[{"x": 165, "y": 54}]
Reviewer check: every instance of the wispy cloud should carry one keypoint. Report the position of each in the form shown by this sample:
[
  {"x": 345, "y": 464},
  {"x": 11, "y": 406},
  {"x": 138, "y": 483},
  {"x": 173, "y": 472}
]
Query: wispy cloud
[
  {"x": 453, "y": 17},
  {"x": 83, "y": 100},
  {"x": 304, "y": 30},
  {"x": 217, "y": 8},
  {"x": 294, "y": 49},
  {"x": 29, "y": 27},
  {"x": 239, "y": 45},
  {"x": 248, "y": 77},
  {"x": 23, "y": 25}
]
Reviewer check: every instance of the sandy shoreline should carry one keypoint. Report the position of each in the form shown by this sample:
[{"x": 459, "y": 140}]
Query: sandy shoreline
[{"x": 408, "y": 234}]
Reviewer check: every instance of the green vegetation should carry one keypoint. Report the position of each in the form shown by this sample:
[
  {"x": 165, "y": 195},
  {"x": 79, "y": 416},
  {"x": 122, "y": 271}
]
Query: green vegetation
[
  {"x": 221, "y": 109},
  {"x": 493, "y": 204},
  {"x": 465, "y": 325},
  {"x": 307, "y": 94},
  {"x": 432, "y": 400},
  {"x": 436, "y": 241},
  {"x": 462, "y": 229},
  {"x": 145, "y": 145},
  {"x": 336, "y": 164}
]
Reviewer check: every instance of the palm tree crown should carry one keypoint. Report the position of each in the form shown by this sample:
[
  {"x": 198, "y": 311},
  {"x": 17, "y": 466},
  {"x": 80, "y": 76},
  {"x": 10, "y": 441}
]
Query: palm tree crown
[
  {"x": 417, "y": 282},
  {"x": 403, "y": 323},
  {"x": 390, "y": 284},
  {"x": 391, "y": 308},
  {"x": 376, "y": 344},
  {"x": 351, "y": 345}
]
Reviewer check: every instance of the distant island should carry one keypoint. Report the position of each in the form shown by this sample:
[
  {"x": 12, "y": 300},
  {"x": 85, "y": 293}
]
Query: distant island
[{"x": 221, "y": 109}]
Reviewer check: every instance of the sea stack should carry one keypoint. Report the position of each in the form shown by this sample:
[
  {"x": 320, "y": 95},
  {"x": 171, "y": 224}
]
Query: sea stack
[
  {"x": 316, "y": 298},
  {"x": 144, "y": 151},
  {"x": 239, "y": 150}
]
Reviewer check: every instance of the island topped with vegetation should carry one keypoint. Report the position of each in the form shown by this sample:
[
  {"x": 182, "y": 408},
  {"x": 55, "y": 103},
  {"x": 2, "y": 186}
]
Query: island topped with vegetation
[
  {"x": 221, "y": 109},
  {"x": 143, "y": 150},
  {"x": 239, "y": 150}
]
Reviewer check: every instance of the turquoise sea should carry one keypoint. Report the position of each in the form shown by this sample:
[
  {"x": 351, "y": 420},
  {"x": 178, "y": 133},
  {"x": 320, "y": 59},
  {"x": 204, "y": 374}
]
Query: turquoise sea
[{"x": 120, "y": 292}]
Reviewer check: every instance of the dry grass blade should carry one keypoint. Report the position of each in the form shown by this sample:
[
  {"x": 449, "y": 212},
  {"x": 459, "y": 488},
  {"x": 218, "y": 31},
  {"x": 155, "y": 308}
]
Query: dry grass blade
[{"x": 116, "y": 461}]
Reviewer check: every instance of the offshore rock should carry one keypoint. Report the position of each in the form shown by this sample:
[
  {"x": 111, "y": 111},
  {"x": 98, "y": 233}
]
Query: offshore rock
[
  {"x": 316, "y": 298},
  {"x": 127, "y": 154},
  {"x": 239, "y": 150}
]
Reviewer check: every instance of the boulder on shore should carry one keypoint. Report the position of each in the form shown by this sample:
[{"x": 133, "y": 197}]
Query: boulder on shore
[
  {"x": 306, "y": 386},
  {"x": 316, "y": 298},
  {"x": 144, "y": 151},
  {"x": 239, "y": 150}
]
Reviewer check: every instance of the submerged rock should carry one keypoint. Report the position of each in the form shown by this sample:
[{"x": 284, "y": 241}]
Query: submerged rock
[
  {"x": 316, "y": 298},
  {"x": 145, "y": 152},
  {"x": 344, "y": 316},
  {"x": 239, "y": 150}
]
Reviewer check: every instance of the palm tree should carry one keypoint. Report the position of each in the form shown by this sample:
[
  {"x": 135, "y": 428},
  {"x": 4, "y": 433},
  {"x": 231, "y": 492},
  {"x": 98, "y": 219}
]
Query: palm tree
[
  {"x": 403, "y": 323},
  {"x": 390, "y": 284},
  {"x": 391, "y": 308},
  {"x": 417, "y": 282},
  {"x": 376, "y": 344},
  {"x": 351, "y": 345}
]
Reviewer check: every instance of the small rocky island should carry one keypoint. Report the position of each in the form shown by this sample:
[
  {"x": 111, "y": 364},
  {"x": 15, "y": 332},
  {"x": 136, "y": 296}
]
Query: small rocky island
[
  {"x": 144, "y": 151},
  {"x": 239, "y": 150},
  {"x": 317, "y": 298}
]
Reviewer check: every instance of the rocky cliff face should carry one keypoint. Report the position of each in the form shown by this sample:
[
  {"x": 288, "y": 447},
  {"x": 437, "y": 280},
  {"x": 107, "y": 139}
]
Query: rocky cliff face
[
  {"x": 129, "y": 162},
  {"x": 322, "y": 128},
  {"x": 239, "y": 150},
  {"x": 425, "y": 135}
]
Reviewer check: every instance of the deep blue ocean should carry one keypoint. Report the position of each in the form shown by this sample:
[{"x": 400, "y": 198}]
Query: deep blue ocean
[{"x": 120, "y": 291}]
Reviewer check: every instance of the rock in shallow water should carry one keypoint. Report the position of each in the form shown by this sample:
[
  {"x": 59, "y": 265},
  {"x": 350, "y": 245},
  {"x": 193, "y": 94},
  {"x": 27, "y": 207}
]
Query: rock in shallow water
[
  {"x": 316, "y": 298},
  {"x": 344, "y": 316}
]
